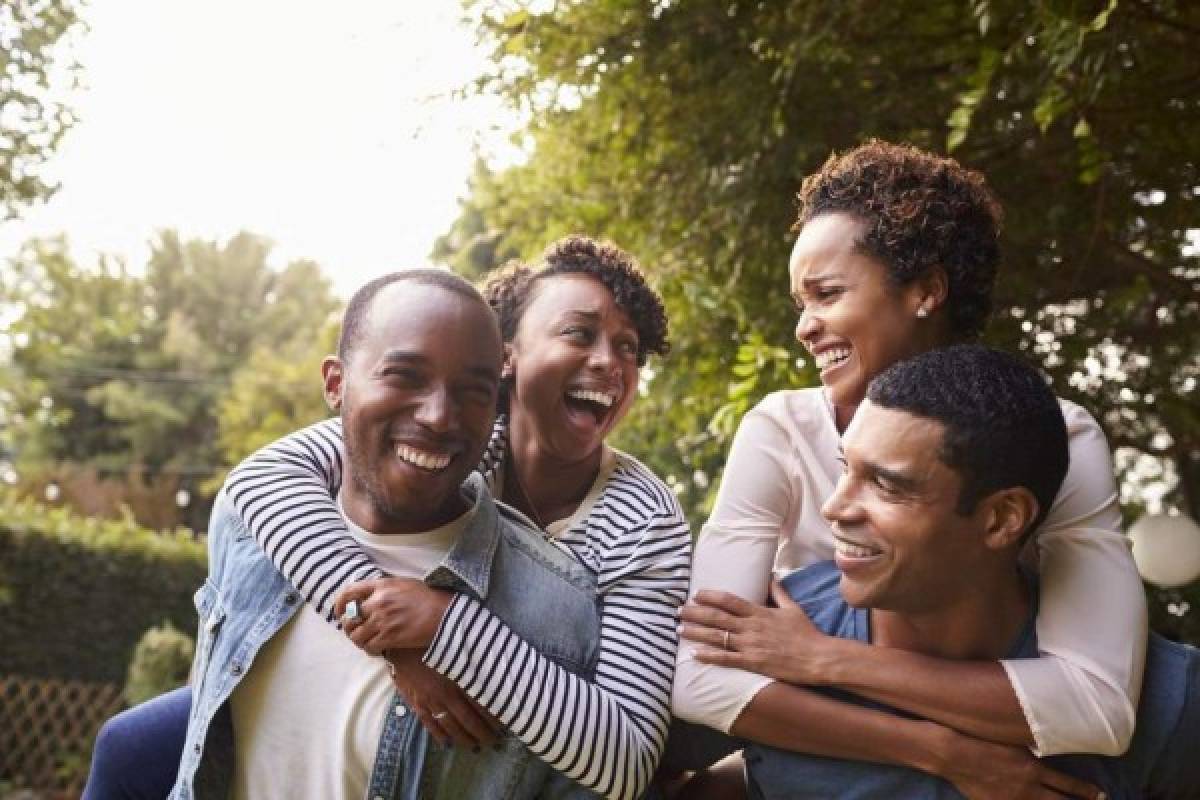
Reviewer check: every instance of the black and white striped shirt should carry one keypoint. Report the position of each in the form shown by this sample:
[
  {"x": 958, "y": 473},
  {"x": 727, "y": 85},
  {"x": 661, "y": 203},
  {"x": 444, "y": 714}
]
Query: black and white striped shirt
[{"x": 607, "y": 734}]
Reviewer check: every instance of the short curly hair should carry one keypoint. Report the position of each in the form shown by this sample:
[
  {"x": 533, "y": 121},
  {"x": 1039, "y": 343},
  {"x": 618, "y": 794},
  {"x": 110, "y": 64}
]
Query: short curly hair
[
  {"x": 510, "y": 288},
  {"x": 1003, "y": 425},
  {"x": 921, "y": 211}
]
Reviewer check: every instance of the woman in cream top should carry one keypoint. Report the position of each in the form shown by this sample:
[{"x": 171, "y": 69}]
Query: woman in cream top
[{"x": 897, "y": 254}]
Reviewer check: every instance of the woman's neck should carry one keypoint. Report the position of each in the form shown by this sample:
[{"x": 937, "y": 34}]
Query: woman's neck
[
  {"x": 546, "y": 488},
  {"x": 842, "y": 416}
]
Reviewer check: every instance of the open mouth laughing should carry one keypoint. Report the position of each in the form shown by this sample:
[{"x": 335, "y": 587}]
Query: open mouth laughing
[{"x": 597, "y": 403}]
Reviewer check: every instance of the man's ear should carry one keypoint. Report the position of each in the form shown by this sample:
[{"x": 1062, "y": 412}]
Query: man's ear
[
  {"x": 1009, "y": 513},
  {"x": 332, "y": 372}
]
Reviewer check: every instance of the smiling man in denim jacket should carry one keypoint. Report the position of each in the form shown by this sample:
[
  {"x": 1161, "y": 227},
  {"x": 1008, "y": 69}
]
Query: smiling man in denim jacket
[{"x": 287, "y": 706}]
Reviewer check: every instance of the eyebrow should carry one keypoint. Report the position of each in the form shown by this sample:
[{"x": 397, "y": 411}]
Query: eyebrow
[
  {"x": 899, "y": 479},
  {"x": 824, "y": 277},
  {"x": 578, "y": 312},
  {"x": 595, "y": 317},
  {"x": 392, "y": 356},
  {"x": 420, "y": 359}
]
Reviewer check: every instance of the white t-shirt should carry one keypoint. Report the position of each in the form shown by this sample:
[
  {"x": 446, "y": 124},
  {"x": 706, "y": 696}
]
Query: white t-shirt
[
  {"x": 308, "y": 715},
  {"x": 1091, "y": 623}
]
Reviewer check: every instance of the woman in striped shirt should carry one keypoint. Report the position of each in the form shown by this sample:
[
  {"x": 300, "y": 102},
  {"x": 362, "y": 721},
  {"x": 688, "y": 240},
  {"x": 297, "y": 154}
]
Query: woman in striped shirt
[{"x": 576, "y": 332}]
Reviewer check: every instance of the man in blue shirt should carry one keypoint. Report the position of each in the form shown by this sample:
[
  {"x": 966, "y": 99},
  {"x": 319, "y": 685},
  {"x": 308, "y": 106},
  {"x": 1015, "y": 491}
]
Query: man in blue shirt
[{"x": 952, "y": 460}]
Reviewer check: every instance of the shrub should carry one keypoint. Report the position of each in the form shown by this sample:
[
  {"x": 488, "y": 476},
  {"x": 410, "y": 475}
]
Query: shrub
[
  {"x": 161, "y": 661},
  {"x": 77, "y": 593}
]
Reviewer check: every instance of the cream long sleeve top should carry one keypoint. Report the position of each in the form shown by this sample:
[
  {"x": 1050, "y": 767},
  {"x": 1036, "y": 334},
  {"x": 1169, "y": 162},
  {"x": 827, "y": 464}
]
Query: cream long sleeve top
[{"x": 1079, "y": 696}]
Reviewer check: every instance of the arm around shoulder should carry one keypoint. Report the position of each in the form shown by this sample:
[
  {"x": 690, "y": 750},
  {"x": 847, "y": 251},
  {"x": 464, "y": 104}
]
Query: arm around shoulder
[
  {"x": 284, "y": 493},
  {"x": 735, "y": 553},
  {"x": 1081, "y": 694}
]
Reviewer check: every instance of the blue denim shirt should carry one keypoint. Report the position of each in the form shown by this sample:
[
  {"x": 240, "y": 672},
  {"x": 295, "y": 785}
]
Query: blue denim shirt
[
  {"x": 509, "y": 568},
  {"x": 1160, "y": 761}
]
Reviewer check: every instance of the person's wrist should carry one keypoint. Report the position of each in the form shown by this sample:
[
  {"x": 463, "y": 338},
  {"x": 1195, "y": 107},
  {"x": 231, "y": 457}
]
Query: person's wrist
[
  {"x": 439, "y": 606},
  {"x": 938, "y": 750},
  {"x": 827, "y": 659},
  {"x": 442, "y": 603},
  {"x": 955, "y": 756}
]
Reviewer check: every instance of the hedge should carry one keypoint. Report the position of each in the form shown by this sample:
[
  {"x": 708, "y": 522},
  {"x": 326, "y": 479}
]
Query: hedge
[{"x": 76, "y": 593}]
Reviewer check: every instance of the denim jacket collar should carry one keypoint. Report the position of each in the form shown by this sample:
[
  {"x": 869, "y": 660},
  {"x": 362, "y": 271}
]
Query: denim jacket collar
[
  {"x": 468, "y": 565},
  {"x": 515, "y": 575}
]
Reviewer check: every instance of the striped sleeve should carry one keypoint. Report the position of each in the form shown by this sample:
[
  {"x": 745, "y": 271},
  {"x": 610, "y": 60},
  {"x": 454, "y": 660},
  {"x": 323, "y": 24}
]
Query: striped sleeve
[
  {"x": 607, "y": 735},
  {"x": 285, "y": 495}
]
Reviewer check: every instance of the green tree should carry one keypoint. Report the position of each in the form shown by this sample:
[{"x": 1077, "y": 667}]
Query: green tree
[
  {"x": 128, "y": 374},
  {"x": 471, "y": 247},
  {"x": 273, "y": 393},
  {"x": 71, "y": 331},
  {"x": 34, "y": 64},
  {"x": 682, "y": 131}
]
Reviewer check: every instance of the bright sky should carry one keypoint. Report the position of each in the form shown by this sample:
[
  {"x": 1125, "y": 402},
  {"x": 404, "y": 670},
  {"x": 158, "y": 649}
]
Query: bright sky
[{"x": 331, "y": 128}]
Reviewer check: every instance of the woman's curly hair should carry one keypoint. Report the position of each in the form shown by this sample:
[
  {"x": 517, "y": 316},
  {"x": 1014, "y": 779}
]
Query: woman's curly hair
[
  {"x": 509, "y": 289},
  {"x": 921, "y": 211}
]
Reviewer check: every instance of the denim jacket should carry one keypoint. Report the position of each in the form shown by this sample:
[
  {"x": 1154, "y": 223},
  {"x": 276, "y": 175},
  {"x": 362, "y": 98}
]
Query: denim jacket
[{"x": 538, "y": 590}]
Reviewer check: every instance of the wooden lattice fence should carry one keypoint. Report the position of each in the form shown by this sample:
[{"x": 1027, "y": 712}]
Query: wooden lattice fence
[{"x": 46, "y": 731}]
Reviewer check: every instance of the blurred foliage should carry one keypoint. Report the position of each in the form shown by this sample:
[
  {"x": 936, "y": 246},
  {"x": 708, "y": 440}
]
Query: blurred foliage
[
  {"x": 77, "y": 593},
  {"x": 470, "y": 247},
  {"x": 682, "y": 131},
  {"x": 178, "y": 370},
  {"x": 273, "y": 393},
  {"x": 35, "y": 66},
  {"x": 161, "y": 661},
  {"x": 149, "y": 499}
]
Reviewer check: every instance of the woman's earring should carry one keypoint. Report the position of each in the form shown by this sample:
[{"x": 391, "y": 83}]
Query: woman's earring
[{"x": 922, "y": 313}]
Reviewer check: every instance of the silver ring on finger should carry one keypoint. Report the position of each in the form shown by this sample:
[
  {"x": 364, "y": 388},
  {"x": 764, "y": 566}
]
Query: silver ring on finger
[
  {"x": 725, "y": 641},
  {"x": 441, "y": 715},
  {"x": 352, "y": 613}
]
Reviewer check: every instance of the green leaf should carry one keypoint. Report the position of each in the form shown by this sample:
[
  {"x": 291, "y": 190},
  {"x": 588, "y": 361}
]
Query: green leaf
[
  {"x": 515, "y": 46},
  {"x": 516, "y": 20},
  {"x": 955, "y": 138},
  {"x": 1099, "y": 22},
  {"x": 1051, "y": 105}
]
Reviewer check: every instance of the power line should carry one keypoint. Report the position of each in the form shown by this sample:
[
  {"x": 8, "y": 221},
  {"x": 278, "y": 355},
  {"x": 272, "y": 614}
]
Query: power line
[{"x": 143, "y": 375}]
